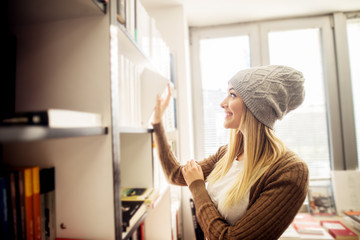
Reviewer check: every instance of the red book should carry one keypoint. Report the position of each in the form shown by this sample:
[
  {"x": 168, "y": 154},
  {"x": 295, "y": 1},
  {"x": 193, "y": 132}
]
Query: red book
[
  {"x": 338, "y": 230},
  {"x": 29, "y": 188}
]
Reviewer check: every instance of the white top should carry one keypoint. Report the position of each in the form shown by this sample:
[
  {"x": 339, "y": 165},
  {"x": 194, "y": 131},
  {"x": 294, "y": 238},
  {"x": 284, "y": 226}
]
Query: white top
[{"x": 219, "y": 189}]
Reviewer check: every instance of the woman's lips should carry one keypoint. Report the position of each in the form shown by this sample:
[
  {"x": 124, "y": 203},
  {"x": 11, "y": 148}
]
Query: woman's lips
[{"x": 228, "y": 114}]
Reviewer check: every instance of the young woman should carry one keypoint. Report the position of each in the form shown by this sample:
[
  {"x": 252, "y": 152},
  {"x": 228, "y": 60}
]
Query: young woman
[{"x": 255, "y": 185}]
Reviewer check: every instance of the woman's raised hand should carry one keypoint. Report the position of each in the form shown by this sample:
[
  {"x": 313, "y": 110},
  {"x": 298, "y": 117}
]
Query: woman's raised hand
[{"x": 161, "y": 105}]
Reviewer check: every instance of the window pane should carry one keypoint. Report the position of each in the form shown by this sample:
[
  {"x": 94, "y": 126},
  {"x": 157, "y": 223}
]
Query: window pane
[
  {"x": 220, "y": 59},
  {"x": 353, "y": 29},
  {"x": 304, "y": 130}
]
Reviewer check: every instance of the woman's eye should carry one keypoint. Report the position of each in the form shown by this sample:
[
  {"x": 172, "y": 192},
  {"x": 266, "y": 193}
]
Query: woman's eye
[{"x": 232, "y": 94}]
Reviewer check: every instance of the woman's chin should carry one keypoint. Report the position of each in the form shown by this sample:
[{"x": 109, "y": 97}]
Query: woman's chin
[{"x": 227, "y": 126}]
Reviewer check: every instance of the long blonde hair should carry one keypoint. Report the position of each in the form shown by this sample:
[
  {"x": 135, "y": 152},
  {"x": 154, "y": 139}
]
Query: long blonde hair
[{"x": 261, "y": 148}]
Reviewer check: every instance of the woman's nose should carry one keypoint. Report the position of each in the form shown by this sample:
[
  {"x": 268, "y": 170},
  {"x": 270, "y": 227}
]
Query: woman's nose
[{"x": 223, "y": 103}]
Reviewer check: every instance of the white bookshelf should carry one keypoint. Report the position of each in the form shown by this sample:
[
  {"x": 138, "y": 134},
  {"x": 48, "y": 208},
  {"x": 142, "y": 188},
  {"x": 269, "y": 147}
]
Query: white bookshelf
[{"x": 65, "y": 60}]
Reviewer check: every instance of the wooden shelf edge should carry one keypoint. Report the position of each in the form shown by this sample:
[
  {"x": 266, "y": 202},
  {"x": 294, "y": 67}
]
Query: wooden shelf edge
[{"x": 34, "y": 133}]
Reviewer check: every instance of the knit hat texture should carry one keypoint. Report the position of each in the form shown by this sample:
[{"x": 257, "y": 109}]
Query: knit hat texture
[{"x": 270, "y": 92}]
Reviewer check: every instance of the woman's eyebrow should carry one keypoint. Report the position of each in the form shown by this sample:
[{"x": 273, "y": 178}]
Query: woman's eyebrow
[{"x": 231, "y": 89}]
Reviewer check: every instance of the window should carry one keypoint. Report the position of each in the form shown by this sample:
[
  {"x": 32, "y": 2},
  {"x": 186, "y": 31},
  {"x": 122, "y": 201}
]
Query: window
[
  {"x": 353, "y": 30},
  {"x": 315, "y": 130},
  {"x": 304, "y": 130},
  {"x": 220, "y": 59}
]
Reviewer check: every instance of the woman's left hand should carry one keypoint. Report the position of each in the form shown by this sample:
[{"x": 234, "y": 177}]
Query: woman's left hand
[{"x": 192, "y": 171}]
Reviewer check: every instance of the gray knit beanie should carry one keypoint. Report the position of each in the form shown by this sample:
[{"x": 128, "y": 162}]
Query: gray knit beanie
[{"x": 269, "y": 92}]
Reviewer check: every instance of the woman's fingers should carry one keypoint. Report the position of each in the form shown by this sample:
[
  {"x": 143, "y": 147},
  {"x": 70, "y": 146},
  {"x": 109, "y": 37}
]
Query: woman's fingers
[
  {"x": 169, "y": 94},
  {"x": 192, "y": 171},
  {"x": 161, "y": 105}
]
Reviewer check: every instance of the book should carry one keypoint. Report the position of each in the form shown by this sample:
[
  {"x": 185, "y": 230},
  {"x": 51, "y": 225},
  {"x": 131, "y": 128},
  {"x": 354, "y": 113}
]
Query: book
[
  {"x": 4, "y": 222},
  {"x": 148, "y": 195},
  {"x": 135, "y": 194},
  {"x": 121, "y": 11},
  {"x": 324, "y": 236},
  {"x": 130, "y": 18},
  {"x": 152, "y": 84},
  {"x": 338, "y": 230},
  {"x": 353, "y": 214},
  {"x": 13, "y": 199},
  {"x": 353, "y": 217},
  {"x": 143, "y": 28},
  {"x": 132, "y": 211},
  {"x": 153, "y": 199},
  {"x": 35, "y": 172},
  {"x": 47, "y": 199},
  {"x": 20, "y": 191},
  {"x": 304, "y": 223},
  {"x": 290, "y": 234},
  {"x": 352, "y": 222},
  {"x": 56, "y": 118},
  {"x": 25, "y": 203},
  {"x": 308, "y": 228},
  {"x": 28, "y": 200}
]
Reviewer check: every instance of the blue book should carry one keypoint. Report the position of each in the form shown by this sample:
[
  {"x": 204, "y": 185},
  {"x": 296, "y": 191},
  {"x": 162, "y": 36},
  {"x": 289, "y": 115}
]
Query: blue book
[{"x": 4, "y": 224}]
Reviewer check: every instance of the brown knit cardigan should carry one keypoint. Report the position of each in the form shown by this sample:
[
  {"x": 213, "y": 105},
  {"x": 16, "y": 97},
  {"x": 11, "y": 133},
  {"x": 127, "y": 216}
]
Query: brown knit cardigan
[{"x": 274, "y": 200}]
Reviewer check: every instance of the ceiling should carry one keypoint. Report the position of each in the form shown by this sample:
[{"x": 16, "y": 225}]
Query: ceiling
[{"x": 216, "y": 12}]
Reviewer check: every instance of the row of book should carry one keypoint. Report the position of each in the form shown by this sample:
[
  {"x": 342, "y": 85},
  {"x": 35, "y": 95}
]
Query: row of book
[
  {"x": 27, "y": 206},
  {"x": 135, "y": 202},
  {"x": 305, "y": 226},
  {"x": 138, "y": 89},
  {"x": 142, "y": 28},
  {"x": 136, "y": 205},
  {"x": 353, "y": 218}
]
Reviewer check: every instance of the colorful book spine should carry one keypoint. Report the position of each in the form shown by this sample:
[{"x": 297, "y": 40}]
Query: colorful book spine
[
  {"x": 338, "y": 230},
  {"x": 36, "y": 202},
  {"x": 13, "y": 214},
  {"x": 47, "y": 198},
  {"x": 21, "y": 204},
  {"x": 29, "y": 220},
  {"x": 4, "y": 223}
]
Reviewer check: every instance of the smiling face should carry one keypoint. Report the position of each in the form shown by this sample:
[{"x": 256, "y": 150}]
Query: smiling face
[{"x": 233, "y": 106}]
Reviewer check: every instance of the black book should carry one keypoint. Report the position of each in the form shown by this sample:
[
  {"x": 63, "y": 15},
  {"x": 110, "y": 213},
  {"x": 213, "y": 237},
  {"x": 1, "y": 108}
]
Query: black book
[
  {"x": 132, "y": 211},
  {"x": 47, "y": 200}
]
